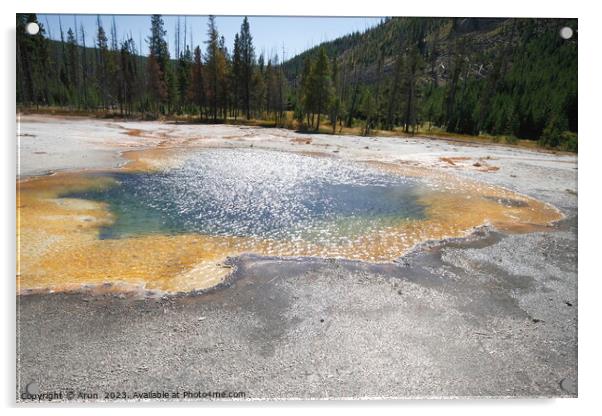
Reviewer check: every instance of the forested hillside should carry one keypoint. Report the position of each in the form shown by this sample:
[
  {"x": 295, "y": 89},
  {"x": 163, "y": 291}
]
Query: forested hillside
[
  {"x": 514, "y": 77},
  {"x": 507, "y": 77}
]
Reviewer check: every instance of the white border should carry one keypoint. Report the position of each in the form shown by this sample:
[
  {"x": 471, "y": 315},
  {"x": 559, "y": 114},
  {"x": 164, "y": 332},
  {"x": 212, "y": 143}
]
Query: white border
[{"x": 590, "y": 156}]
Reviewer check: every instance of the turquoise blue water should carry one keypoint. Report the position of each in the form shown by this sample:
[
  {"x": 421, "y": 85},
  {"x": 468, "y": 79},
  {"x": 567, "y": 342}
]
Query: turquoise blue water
[{"x": 259, "y": 193}]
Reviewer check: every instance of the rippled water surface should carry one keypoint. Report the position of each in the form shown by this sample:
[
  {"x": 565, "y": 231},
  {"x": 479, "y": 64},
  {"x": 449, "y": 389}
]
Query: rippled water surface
[{"x": 259, "y": 193}]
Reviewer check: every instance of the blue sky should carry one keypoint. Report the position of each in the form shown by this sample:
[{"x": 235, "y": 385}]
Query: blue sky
[{"x": 269, "y": 33}]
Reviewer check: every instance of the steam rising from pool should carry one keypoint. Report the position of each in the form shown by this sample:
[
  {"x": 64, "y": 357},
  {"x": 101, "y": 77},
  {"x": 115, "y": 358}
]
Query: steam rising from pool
[{"x": 263, "y": 194}]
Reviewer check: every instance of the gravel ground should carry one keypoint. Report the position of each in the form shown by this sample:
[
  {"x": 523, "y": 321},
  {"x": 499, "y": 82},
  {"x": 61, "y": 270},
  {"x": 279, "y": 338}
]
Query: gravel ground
[{"x": 489, "y": 315}]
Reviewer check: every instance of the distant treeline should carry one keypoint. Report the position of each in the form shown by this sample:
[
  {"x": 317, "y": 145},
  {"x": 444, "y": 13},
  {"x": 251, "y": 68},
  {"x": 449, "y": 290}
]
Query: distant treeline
[{"x": 511, "y": 77}]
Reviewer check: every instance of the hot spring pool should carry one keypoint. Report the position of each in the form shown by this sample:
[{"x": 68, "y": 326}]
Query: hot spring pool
[
  {"x": 173, "y": 229},
  {"x": 261, "y": 194}
]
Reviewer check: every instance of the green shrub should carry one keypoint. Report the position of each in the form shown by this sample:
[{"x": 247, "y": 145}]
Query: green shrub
[
  {"x": 569, "y": 141},
  {"x": 557, "y": 136}
]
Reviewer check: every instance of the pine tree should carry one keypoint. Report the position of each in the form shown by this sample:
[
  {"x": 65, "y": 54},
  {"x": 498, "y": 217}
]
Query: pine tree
[
  {"x": 321, "y": 85},
  {"x": 274, "y": 90},
  {"x": 32, "y": 62},
  {"x": 103, "y": 63},
  {"x": 269, "y": 87},
  {"x": 236, "y": 75},
  {"x": 224, "y": 67},
  {"x": 355, "y": 91},
  {"x": 247, "y": 52},
  {"x": 184, "y": 74},
  {"x": 215, "y": 67},
  {"x": 258, "y": 87},
  {"x": 128, "y": 77},
  {"x": 158, "y": 64},
  {"x": 335, "y": 106},
  {"x": 281, "y": 91},
  {"x": 196, "y": 92},
  {"x": 84, "y": 65},
  {"x": 172, "y": 90},
  {"x": 413, "y": 68},
  {"x": 73, "y": 66},
  {"x": 157, "y": 87},
  {"x": 305, "y": 93}
]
